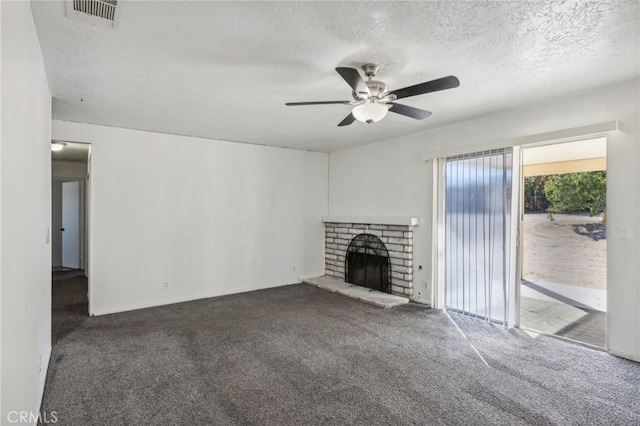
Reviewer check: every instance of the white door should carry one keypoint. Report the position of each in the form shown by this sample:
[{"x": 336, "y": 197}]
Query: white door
[{"x": 71, "y": 225}]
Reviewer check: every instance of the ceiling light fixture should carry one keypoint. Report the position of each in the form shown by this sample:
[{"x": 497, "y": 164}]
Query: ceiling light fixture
[
  {"x": 58, "y": 146},
  {"x": 370, "y": 111}
]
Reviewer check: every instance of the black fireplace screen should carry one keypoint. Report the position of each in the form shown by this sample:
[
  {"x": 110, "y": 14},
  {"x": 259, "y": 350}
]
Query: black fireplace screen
[{"x": 367, "y": 263}]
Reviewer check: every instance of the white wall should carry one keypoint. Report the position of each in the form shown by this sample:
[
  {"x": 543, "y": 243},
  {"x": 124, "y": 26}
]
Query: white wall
[
  {"x": 390, "y": 178},
  {"x": 25, "y": 182},
  {"x": 210, "y": 217}
]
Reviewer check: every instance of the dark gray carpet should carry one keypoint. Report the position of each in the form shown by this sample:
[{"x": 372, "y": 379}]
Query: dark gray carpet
[
  {"x": 298, "y": 355},
  {"x": 70, "y": 306}
]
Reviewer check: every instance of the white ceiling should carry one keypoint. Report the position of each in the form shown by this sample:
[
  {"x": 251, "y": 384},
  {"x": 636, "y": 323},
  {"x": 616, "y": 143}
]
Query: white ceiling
[{"x": 224, "y": 70}]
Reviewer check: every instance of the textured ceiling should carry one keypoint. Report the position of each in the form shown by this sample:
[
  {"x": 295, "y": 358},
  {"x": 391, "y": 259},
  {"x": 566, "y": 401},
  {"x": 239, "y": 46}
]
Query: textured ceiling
[{"x": 224, "y": 70}]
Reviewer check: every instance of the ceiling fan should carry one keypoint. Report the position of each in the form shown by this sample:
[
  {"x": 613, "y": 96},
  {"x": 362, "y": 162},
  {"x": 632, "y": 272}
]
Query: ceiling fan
[{"x": 372, "y": 100}]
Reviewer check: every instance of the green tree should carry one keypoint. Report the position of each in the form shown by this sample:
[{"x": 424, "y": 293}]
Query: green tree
[{"x": 576, "y": 192}]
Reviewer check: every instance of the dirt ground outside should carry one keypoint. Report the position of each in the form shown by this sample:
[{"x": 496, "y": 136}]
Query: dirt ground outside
[{"x": 572, "y": 249}]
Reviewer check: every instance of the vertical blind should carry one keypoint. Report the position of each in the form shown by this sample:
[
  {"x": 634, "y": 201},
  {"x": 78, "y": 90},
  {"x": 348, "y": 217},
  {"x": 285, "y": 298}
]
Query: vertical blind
[{"x": 478, "y": 190}]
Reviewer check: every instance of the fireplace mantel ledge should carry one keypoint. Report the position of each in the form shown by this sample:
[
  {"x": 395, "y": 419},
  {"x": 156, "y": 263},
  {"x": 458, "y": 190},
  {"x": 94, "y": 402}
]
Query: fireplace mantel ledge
[{"x": 374, "y": 220}]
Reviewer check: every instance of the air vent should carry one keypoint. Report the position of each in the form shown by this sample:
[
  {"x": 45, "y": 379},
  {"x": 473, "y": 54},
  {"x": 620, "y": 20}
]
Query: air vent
[
  {"x": 105, "y": 9},
  {"x": 96, "y": 12}
]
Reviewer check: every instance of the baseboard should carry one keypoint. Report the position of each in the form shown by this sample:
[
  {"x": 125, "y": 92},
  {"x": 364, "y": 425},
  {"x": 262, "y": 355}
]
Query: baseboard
[
  {"x": 625, "y": 355},
  {"x": 421, "y": 302},
  {"x": 135, "y": 307},
  {"x": 42, "y": 379}
]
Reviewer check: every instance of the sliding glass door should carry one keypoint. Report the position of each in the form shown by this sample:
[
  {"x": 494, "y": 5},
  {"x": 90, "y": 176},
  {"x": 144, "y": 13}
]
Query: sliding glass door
[{"x": 480, "y": 249}]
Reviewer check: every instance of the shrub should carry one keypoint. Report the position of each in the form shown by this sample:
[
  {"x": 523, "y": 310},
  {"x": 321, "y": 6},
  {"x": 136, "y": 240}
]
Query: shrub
[{"x": 576, "y": 192}]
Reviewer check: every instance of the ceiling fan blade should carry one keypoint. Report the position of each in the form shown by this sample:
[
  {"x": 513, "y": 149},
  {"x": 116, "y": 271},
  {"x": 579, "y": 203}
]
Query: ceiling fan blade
[
  {"x": 430, "y": 86},
  {"x": 409, "y": 111},
  {"x": 353, "y": 79},
  {"x": 347, "y": 120},
  {"x": 318, "y": 103}
]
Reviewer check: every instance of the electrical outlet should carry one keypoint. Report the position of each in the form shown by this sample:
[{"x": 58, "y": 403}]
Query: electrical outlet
[
  {"x": 624, "y": 233},
  {"x": 294, "y": 269},
  {"x": 165, "y": 285},
  {"x": 48, "y": 237}
]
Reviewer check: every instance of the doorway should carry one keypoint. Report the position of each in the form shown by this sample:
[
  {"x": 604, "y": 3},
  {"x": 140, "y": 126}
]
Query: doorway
[
  {"x": 72, "y": 230},
  {"x": 69, "y": 238},
  {"x": 563, "y": 241}
]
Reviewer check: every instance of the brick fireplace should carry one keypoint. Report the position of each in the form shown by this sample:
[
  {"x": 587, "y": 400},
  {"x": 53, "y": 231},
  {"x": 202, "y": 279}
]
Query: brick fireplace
[{"x": 396, "y": 236}]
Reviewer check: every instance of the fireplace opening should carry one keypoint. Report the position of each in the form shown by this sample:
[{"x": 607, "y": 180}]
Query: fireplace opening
[{"x": 367, "y": 263}]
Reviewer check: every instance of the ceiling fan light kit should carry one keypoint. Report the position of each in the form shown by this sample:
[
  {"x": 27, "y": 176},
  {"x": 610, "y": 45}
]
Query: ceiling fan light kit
[
  {"x": 370, "y": 111},
  {"x": 372, "y": 100},
  {"x": 58, "y": 146}
]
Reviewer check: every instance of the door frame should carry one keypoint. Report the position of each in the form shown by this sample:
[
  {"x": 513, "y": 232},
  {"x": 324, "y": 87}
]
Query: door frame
[
  {"x": 438, "y": 209},
  {"x": 75, "y": 227}
]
